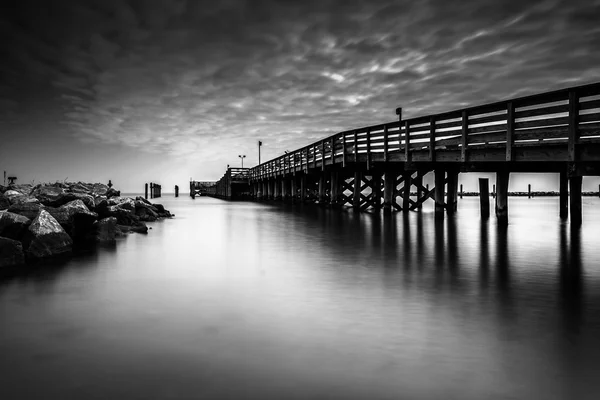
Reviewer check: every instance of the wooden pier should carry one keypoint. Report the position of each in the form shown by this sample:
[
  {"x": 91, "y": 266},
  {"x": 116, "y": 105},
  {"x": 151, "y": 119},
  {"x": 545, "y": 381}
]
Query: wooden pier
[
  {"x": 235, "y": 184},
  {"x": 200, "y": 188},
  {"x": 382, "y": 166}
]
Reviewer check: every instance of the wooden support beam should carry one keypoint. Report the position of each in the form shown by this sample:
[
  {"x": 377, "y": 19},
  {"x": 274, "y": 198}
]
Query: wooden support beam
[
  {"x": 302, "y": 196},
  {"x": 322, "y": 188},
  {"x": 334, "y": 190},
  {"x": 563, "y": 194},
  {"x": 284, "y": 189},
  {"x": 575, "y": 195},
  {"x": 502, "y": 178},
  {"x": 357, "y": 190},
  {"x": 452, "y": 192},
  {"x": 376, "y": 189},
  {"x": 406, "y": 191},
  {"x": 440, "y": 179},
  {"x": 389, "y": 191},
  {"x": 418, "y": 182},
  {"x": 294, "y": 191},
  {"x": 484, "y": 197},
  {"x": 355, "y": 146},
  {"x": 322, "y": 155}
]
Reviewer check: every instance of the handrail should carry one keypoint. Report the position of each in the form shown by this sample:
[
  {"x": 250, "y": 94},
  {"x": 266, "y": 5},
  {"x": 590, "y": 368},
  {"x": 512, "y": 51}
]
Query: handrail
[{"x": 565, "y": 116}]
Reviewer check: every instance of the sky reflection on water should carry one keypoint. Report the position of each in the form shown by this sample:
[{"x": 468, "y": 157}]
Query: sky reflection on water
[{"x": 249, "y": 300}]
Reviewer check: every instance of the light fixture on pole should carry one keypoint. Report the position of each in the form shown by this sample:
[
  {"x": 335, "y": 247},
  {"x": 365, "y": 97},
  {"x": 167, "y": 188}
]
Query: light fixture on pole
[
  {"x": 242, "y": 156},
  {"x": 259, "y": 144}
]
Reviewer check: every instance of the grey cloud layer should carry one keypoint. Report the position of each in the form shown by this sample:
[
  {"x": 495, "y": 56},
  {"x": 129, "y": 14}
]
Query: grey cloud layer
[{"x": 175, "y": 76}]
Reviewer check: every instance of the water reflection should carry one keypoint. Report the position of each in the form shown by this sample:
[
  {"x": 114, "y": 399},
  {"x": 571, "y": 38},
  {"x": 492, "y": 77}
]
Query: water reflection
[{"x": 247, "y": 300}]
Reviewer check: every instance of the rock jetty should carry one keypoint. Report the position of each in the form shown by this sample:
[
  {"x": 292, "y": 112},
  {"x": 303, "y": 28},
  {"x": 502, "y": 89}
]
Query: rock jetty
[{"x": 50, "y": 220}]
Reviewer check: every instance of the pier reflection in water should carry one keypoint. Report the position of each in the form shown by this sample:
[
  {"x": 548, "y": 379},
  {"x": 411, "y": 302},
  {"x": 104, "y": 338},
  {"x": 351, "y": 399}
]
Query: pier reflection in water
[{"x": 249, "y": 300}]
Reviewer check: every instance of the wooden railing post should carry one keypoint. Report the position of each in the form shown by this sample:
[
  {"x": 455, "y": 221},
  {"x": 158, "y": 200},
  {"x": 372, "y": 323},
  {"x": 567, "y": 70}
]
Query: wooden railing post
[
  {"x": 510, "y": 130},
  {"x": 432, "y": 139},
  {"x": 573, "y": 121},
  {"x": 355, "y": 146},
  {"x": 407, "y": 141},
  {"x": 464, "y": 136},
  {"x": 322, "y": 155},
  {"x": 385, "y": 143},
  {"x": 344, "y": 150},
  {"x": 368, "y": 148}
]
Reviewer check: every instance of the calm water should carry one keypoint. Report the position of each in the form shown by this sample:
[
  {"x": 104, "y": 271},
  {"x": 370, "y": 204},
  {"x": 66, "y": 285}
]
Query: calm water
[{"x": 257, "y": 301}]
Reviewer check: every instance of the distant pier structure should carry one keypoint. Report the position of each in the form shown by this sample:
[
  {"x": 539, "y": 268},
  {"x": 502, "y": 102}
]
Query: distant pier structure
[
  {"x": 200, "y": 188},
  {"x": 155, "y": 190},
  {"x": 382, "y": 166}
]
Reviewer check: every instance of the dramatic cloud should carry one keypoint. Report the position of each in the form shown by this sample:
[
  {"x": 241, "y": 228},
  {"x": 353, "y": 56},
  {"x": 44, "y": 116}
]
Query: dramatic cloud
[{"x": 207, "y": 77}]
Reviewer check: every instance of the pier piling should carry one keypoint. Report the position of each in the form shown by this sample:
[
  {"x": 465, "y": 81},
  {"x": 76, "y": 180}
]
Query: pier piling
[{"x": 484, "y": 197}]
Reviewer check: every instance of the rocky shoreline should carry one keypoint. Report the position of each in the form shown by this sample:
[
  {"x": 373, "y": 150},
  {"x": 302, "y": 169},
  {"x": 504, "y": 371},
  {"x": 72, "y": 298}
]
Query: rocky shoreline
[{"x": 52, "y": 220}]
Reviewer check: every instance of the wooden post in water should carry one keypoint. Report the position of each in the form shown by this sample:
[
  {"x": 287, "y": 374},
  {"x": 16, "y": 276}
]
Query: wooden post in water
[
  {"x": 389, "y": 189},
  {"x": 303, "y": 188},
  {"x": 334, "y": 190},
  {"x": 376, "y": 182},
  {"x": 494, "y": 190},
  {"x": 294, "y": 184},
  {"x": 529, "y": 191},
  {"x": 419, "y": 182},
  {"x": 452, "y": 192},
  {"x": 440, "y": 177},
  {"x": 151, "y": 190},
  {"x": 284, "y": 189},
  {"x": 563, "y": 195},
  {"x": 502, "y": 178},
  {"x": 357, "y": 191},
  {"x": 146, "y": 191},
  {"x": 176, "y": 191},
  {"x": 406, "y": 191},
  {"x": 575, "y": 194},
  {"x": 461, "y": 190},
  {"x": 484, "y": 197},
  {"x": 322, "y": 189}
]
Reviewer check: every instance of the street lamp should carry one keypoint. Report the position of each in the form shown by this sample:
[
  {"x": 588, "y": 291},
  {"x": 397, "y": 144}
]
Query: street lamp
[{"x": 242, "y": 156}]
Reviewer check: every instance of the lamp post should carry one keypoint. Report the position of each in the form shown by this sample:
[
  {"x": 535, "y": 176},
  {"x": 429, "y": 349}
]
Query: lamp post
[
  {"x": 259, "y": 144},
  {"x": 242, "y": 156}
]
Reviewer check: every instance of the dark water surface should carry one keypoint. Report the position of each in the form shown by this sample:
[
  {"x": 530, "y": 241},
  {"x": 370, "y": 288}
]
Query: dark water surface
[{"x": 257, "y": 301}]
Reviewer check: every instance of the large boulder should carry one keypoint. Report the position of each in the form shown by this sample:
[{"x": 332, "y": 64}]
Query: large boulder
[
  {"x": 24, "y": 188},
  {"x": 78, "y": 208},
  {"x": 112, "y": 193},
  {"x": 29, "y": 210},
  {"x": 123, "y": 216},
  {"x": 4, "y": 203},
  {"x": 87, "y": 199},
  {"x": 13, "y": 226},
  {"x": 123, "y": 202},
  {"x": 99, "y": 189},
  {"x": 49, "y": 239},
  {"x": 23, "y": 198},
  {"x": 138, "y": 227},
  {"x": 50, "y": 195},
  {"x": 11, "y": 252},
  {"x": 146, "y": 213},
  {"x": 106, "y": 230},
  {"x": 80, "y": 187}
]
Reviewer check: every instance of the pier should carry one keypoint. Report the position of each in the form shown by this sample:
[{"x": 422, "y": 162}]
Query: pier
[{"x": 383, "y": 166}]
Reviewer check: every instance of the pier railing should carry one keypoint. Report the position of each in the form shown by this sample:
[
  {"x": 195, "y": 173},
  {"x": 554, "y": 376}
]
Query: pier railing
[{"x": 566, "y": 117}]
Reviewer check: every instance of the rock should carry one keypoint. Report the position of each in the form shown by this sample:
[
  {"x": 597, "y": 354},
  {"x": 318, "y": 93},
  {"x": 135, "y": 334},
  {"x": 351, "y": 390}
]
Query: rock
[
  {"x": 124, "y": 216},
  {"x": 13, "y": 226},
  {"x": 87, "y": 199},
  {"x": 11, "y": 252},
  {"x": 29, "y": 210},
  {"x": 112, "y": 193},
  {"x": 144, "y": 200},
  {"x": 24, "y": 188},
  {"x": 12, "y": 193},
  {"x": 106, "y": 229},
  {"x": 99, "y": 189},
  {"x": 50, "y": 195},
  {"x": 78, "y": 208},
  {"x": 146, "y": 214},
  {"x": 123, "y": 202},
  {"x": 159, "y": 207},
  {"x": 138, "y": 227},
  {"x": 49, "y": 238},
  {"x": 22, "y": 198},
  {"x": 82, "y": 188},
  {"x": 4, "y": 203}
]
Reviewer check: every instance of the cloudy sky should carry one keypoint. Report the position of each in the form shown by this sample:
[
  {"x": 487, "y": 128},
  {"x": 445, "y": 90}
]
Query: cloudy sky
[{"x": 136, "y": 91}]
